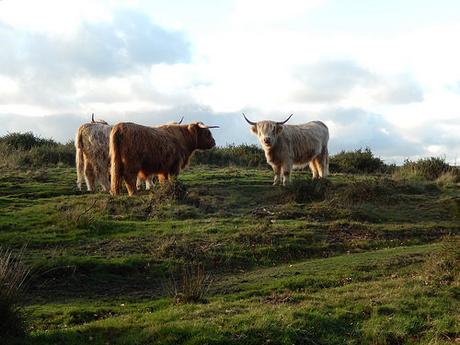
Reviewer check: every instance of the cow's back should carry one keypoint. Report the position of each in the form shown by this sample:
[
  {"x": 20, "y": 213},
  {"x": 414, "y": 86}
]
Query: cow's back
[
  {"x": 142, "y": 148},
  {"x": 305, "y": 141},
  {"x": 95, "y": 141}
]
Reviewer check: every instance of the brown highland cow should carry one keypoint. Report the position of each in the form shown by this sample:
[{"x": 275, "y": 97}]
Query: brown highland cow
[{"x": 137, "y": 150}]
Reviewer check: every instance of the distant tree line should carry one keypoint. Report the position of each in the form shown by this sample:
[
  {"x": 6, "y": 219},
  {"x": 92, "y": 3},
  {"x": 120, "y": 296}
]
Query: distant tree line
[{"x": 29, "y": 150}]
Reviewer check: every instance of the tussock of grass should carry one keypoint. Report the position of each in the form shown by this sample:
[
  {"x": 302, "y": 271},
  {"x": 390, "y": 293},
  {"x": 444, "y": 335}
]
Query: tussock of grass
[
  {"x": 303, "y": 190},
  {"x": 191, "y": 284},
  {"x": 443, "y": 266},
  {"x": 169, "y": 191},
  {"x": 163, "y": 197},
  {"x": 13, "y": 275}
]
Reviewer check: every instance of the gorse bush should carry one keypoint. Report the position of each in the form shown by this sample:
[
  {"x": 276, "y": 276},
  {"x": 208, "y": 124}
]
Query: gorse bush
[
  {"x": 358, "y": 161},
  {"x": 423, "y": 169},
  {"x": 13, "y": 275}
]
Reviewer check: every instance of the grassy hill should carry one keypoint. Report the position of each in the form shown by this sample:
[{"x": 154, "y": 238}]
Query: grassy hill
[{"x": 226, "y": 258}]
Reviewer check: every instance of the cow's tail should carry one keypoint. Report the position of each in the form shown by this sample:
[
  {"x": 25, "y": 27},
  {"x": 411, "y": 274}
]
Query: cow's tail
[
  {"x": 116, "y": 170},
  {"x": 325, "y": 152},
  {"x": 325, "y": 156},
  {"x": 79, "y": 158}
]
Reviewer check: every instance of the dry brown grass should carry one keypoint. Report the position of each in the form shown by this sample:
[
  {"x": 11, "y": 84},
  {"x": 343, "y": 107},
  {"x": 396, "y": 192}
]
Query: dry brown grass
[
  {"x": 443, "y": 266},
  {"x": 450, "y": 177},
  {"x": 191, "y": 284},
  {"x": 13, "y": 277}
]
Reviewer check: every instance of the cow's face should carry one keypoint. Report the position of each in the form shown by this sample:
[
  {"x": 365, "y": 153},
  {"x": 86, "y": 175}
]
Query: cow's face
[
  {"x": 267, "y": 132},
  {"x": 204, "y": 138}
]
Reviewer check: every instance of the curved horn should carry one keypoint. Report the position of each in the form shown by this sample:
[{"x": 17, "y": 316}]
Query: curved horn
[
  {"x": 248, "y": 121},
  {"x": 201, "y": 125},
  {"x": 182, "y": 119},
  {"x": 283, "y": 122},
  {"x": 92, "y": 118}
]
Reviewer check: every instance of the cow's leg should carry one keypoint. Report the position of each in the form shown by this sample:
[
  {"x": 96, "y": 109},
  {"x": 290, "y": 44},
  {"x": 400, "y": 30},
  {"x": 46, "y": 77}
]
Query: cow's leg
[
  {"x": 319, "y": 166},
  {"x": 105, "y": 182},
  {"x": 102, "y": 176},
  {"x": 162, "y": 177},
  {"x": 286, "y": 174},
  {"x": 313, "y": 169},
  {"x": 130, "y": 183},
  {"x": 277, "y": 171},
  {"x": 90, "y": 177},
  {"x": 149, "y": 184},
  {"x": 173, "y": 173},
  {"x": 139, "y": 183}
]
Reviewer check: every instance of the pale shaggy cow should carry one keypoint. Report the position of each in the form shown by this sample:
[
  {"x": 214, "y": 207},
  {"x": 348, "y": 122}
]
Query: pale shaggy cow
[
  {"x": 293, "y": 146},
  {"x": 92, "y": 156}
]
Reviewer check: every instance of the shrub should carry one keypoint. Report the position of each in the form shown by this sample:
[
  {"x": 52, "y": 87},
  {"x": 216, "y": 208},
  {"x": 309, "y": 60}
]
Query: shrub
[
  {"x": 49, "y": 155},
  {"x": 25, "y": 149},
  {"x": 423, "y": 169},
  {"x": 358, "y": 161},
  {"x": 25, "y": 141},
  {"x": 13, "y": 275}
]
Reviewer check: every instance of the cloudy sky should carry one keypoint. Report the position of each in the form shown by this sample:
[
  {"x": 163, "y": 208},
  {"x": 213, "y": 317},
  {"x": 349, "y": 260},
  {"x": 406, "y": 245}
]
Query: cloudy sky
[{"x": 382, "y": 74}]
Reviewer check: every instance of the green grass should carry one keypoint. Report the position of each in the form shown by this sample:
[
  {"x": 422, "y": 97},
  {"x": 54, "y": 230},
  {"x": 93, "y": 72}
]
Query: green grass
[{"x": 345, "y": 264}]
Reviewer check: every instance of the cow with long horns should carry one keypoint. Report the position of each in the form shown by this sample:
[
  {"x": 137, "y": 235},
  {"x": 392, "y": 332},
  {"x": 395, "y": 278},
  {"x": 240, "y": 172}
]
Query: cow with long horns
[
  {"x": 137, "y": 150},
  {"x": 293, "y": 146}
]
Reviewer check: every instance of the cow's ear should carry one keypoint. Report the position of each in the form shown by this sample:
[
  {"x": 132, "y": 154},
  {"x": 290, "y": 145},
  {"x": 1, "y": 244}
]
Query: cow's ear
[
  {"x": 254, "y": 129},
  {"x": 278, "y": 129},
  {"x": 193, "y": 128}
]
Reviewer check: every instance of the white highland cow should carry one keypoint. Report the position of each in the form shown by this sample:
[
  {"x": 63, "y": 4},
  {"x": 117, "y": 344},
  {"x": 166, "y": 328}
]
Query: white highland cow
[{"x": 293, "y": 146}]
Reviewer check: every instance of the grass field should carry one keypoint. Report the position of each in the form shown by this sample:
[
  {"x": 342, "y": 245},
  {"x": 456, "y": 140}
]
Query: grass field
[{"x": 227, "y": 258}]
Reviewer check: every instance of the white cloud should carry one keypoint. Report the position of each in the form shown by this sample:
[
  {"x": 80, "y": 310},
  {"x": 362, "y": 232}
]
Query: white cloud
[
  {"x": 267, "y": 12},
  {"x": 46, "y": 72},
  {"x": 52, "y": 16}
]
